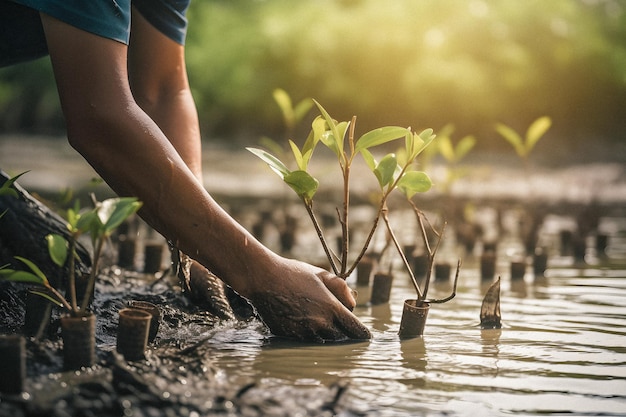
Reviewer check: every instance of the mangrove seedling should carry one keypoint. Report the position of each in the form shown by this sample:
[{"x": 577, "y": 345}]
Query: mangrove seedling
[
  {"x": 99, "y": 223},
  {"x": 415, "y": 311},
  {"x": 292, "y": 115},
  {"x": 453, "y": 154},
  {"x": 523, "y": 146},
  {"x": 334, "y": 134},
  {"x": 392, "y": 172}
]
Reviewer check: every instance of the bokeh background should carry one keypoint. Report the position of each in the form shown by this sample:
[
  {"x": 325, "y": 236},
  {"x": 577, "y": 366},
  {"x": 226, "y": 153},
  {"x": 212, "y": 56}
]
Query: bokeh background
[{"x": 418, "y": 63}]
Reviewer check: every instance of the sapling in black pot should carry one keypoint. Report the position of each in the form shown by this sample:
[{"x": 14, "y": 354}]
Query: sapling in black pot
[
  {"x": 391, "y": 173},
  {"x": 395, "y": 172},
  {"x": 78, "y": 325},
  {"x": 333, "y": 135}
]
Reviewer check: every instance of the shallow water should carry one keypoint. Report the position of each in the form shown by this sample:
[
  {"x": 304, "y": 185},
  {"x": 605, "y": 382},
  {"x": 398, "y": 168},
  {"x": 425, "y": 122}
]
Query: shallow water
[{"x": 561, "y": 350}]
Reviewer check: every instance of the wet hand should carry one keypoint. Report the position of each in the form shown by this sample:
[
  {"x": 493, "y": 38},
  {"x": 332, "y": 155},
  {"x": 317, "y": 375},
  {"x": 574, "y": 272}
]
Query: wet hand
[{"x": 307, "y": 303}]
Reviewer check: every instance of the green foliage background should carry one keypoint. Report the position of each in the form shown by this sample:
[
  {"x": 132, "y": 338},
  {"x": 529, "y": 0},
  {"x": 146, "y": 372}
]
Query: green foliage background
[{"x": 419, "y": 63}]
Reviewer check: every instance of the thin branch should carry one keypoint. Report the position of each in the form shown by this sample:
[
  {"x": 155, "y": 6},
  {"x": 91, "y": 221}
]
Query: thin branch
[
  {"x": 92, "y": 276},
  {"x": 401, "y": 253},
  {"x": 453, "y": 294},
  {"x": 366, "y": 245},
  {"x": 72, "y": 277},
  {"x": 320, "y": 235},
  {"x": 345, "y": 220},
  {"x": 431, "y": 259}
]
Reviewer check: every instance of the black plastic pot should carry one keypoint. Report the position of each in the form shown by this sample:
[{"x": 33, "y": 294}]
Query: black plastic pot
[
  {"x": 153, "y": 257},
  {"x": 381, "y": 288},
  {"x": 12, "y": 364},
  {"x": 414, "y": 315},
  {"x": 154, "y": 311},
  {"x": 487, "y": 266},
  {"x": 79, "y": 341},
  {"x": 364, "y": 271},
  {"x": 442, "y": 272},
  {"x": 518, "y": 270},
  {"x": 132, "y": 333}
]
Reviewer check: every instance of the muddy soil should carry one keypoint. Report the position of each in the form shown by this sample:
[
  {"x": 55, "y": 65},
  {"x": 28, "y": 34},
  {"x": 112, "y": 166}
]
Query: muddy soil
[{"x": 177, "y": 377}]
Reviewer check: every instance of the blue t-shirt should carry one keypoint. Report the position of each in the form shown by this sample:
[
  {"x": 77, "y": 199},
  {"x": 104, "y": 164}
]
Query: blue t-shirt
[{"x": 22, "y": 38}]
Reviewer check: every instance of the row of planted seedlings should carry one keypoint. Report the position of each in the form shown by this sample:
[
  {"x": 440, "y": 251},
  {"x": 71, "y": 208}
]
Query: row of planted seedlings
[
  {"x": 393, "y": 172},
  {"x": 78, "y": 322}
]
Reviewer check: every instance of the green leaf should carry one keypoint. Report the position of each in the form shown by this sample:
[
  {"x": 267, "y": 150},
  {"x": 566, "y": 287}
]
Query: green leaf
[
  {"x": 409, "y": 142},
  {"x": 334, "y": 140},
  {"x": 302, "y": 183},
  {"x": 270, "y": 144},
  {"x": 536, "y": 130},
  {"x": 72, "y": 219},
  {"x": 47, "y": 296},
  {"x": 35, "y": 269},
  {"x": 379, "y": 136},
  {"x": 88, "y": 222},
  {"x": 57, "y": 248},
  {"x": 274, "y": 163},
  {"x": 464, "y": 146},
  {"x": 318, "y": 127},
  {"x": 369, "y": 159},
  {"x": 385, "y": 169},
  {"x": 301, "y": 109},
  {"x": 413, "y": 182},
  {"x": 284, "y": 102},
  {"x": 297, "y": 155},
  {"x": 444, "y": 144},
  {"x": 20, "y": 276},
  {"x": 113, "y": 211},
  {"x": 329, "y": 140},
  {"x": 427, "y": 137},
  {"x": 512, "y": 137},
  {"x": 6, "y": 187},
  {"x": 447, "y": 130}
]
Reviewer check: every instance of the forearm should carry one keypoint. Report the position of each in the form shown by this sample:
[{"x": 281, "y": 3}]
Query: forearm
[{"x": 135, "y": 158}]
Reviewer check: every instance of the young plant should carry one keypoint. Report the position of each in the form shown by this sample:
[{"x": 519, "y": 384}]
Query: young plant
[
  {"x": 523, "y": 146},
  {"x": 6, "y": 189},
  {"x": 453, "y": 154},
  {"x": 99, "y": 223},
  {"x": 399, "y": 173},
  {"x": 334, "y": 135},
  {"x": 292, "y": 116}
]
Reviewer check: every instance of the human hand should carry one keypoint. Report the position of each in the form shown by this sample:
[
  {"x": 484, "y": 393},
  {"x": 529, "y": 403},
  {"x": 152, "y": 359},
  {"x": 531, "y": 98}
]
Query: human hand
[{"x": 307, "y": 303}]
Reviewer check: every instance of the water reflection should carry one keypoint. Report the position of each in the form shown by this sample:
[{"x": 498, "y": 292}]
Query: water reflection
[{"x": 562, "y": 338}]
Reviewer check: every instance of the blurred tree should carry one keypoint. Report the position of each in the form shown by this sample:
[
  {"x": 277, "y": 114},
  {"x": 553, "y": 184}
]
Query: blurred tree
[{"x": 413, "y": 63}]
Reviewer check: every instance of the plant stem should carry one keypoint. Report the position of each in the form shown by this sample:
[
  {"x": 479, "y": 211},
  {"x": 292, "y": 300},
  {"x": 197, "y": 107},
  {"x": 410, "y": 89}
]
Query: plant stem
[
  {"x": 60, "y": 298},
  {"x": 366, "y": 245},
  {"x": 453, "y": 294},
  {"x": 345, "y": 219},
  {"x": 320, "y": 235},
  {"x": 384, "y": 212},
  {"x": 92, "y": 275},
  {"x": 429, "y": 252},
  {"x": 72, "y": 277}
]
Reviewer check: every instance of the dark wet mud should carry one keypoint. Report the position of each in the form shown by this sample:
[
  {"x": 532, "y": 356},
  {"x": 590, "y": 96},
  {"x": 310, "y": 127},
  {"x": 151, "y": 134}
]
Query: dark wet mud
[{"x": 176, "y": 378}]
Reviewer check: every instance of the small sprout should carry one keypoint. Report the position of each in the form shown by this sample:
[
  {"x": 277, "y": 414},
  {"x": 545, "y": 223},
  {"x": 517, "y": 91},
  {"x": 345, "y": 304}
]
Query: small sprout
[{"x": 523, "y": 146}]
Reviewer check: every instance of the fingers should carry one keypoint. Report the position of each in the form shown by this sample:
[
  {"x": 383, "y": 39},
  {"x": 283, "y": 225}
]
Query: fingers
[
  {"x": 352, "y": 327},
  {"x": 339, "y": 289}
]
